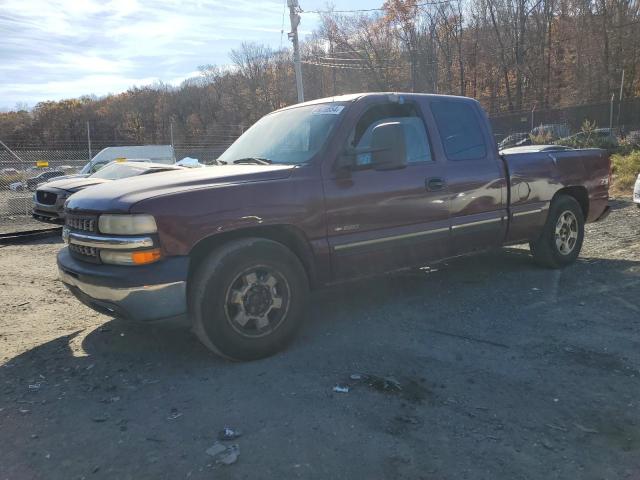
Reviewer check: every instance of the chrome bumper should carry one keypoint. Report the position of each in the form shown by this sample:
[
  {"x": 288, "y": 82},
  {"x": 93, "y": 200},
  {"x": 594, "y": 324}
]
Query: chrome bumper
[
  {"x": 105, "y": 241},
  {"x": 144, "y": 303},
  {"x": 50, "y": 213}
]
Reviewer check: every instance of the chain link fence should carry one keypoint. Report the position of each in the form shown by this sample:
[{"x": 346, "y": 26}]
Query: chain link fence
[
  {"x": 22, "y": 169},
  {"x": 622, "y": 117}
]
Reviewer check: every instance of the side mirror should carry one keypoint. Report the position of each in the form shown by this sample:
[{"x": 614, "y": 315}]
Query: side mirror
[
  {"x": 344, "y": 164},
  {"x": 346, "y": 160},
  {"x": 388, "y": 147}
]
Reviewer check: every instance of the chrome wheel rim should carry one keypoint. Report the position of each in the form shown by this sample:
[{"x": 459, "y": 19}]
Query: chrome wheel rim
[
  {"x": 257, "y": 301},
  {"x": 566, "y": 232}
]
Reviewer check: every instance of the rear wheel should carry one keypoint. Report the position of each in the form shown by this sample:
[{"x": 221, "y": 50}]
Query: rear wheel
[
  {"x": 561, "y": 239},
  {"x": 247, "y": 299}
]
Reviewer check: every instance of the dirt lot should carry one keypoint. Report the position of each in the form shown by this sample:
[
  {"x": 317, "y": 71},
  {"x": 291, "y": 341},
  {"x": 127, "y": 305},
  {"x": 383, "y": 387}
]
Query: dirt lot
[{"x": 507, "y": 371}]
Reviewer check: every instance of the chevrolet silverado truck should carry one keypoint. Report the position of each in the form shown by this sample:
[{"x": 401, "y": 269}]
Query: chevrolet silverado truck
[{"x": 314, "y": 194}]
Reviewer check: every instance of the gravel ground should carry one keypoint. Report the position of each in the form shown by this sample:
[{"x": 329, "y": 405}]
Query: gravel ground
[
  {"x": 506, "y": 371},
  {"x": 11, "y": 224}
]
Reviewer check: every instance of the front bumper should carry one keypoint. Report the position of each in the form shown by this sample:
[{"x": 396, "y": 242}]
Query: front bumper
[
  {"x": 45, "y": 213},
  {"x": 142, "y": 293},
  {"x": 50, "y": 212}
]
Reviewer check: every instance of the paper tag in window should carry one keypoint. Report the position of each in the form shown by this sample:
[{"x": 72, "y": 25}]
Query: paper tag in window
[{"x": 327, "y": 110}]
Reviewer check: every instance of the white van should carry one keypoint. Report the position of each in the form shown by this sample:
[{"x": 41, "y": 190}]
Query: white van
[{"x": 154, "y": 153}]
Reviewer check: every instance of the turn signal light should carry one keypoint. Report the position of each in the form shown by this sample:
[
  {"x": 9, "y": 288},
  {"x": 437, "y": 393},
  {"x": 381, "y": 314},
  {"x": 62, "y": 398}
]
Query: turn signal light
[
  {"x": 146, "y": 256},
  {"x": 140, "y": 257}
]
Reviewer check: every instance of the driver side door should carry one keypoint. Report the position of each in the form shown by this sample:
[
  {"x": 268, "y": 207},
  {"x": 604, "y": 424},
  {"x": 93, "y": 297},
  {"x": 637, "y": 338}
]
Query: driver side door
[{"x": 383, "y": 220}]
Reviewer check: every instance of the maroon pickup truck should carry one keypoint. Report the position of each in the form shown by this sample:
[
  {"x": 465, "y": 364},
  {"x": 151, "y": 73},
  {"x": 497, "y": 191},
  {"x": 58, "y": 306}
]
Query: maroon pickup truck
[{"x": 318, "y": 193}]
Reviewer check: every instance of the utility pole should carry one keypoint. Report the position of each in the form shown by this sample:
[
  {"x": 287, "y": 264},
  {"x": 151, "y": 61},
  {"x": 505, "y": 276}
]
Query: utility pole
[
  {"x": 89, "y": 140},
  {"x": 294, "y": 8},
  {"x": 533, "y": 109},
  {"x": 620, "y": 101},
  {"x": 173, "y": 151},
  {"x": 613, "y": 95}
]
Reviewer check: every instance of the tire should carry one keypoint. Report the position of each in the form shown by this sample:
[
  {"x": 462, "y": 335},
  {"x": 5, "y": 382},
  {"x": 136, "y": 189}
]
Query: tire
[
  {"x": 247, "y": 299},
  {"x": 562, "y": 235}
]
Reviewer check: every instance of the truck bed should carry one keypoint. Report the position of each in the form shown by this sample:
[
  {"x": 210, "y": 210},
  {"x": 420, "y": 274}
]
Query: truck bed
[{"x": 536, "y": 177}]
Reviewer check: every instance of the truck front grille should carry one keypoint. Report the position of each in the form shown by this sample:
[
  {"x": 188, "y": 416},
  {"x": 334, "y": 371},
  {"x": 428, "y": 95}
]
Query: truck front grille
[
  {"x": 46, "y": 198},
  {"x": 87, "y": 254},
  {"x": 85, "y": 223}
]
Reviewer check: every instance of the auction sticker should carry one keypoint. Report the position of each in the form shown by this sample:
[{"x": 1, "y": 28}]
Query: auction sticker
[{"x": 327, "y": 110}]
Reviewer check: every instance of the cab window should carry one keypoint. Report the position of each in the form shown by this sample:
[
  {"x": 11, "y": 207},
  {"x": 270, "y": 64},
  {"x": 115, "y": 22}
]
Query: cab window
[{"x": 417, "y": 141}]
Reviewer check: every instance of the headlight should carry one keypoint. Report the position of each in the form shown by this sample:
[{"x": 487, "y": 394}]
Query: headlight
[
  {"x": 127, "y": 224},
  {"x": 139, "y": 257}
]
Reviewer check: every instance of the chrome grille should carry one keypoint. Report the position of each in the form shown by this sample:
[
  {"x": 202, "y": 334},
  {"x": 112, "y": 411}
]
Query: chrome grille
[
  {"x": 85, "y": 223},
  {"x": 46, "y": 198},
  {"x": 88, "y": 254}
]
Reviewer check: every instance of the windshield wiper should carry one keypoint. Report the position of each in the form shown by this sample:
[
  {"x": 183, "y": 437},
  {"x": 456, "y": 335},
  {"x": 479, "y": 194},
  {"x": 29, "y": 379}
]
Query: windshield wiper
[{"x": 253, "y": 161}]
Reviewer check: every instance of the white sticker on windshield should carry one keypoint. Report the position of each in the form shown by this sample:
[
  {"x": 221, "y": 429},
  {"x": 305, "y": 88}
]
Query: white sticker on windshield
[{"x": 327, "y": 110}]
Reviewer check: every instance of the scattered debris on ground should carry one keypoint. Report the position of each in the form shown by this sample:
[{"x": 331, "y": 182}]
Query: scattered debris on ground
[
  {"x": 224, "y": 454},
  {"x": 174, "y": 414},
  {"x": 228, "y": 433}
]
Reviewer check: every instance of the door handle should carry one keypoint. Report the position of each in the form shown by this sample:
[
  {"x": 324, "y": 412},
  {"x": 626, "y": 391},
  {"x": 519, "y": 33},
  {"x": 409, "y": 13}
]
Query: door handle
[{"x": 434, "y": 184}]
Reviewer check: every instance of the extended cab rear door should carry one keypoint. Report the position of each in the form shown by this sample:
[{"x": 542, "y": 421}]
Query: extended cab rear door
[{"x": 476, "y": 176}]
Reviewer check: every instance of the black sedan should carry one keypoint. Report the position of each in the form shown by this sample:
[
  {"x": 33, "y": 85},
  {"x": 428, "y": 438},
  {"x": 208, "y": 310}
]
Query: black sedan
[
  {"x": 33, "y": 182},
  {"x": 48, "y": 201}
]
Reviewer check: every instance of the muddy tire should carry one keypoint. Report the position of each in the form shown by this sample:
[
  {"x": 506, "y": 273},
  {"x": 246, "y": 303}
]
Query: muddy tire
[
  {"x": 247, "y": 298},
  {"x": 562, "y": 235}
]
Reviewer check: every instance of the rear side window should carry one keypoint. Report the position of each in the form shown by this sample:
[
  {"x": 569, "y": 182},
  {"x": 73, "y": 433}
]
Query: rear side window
[{"x": 460, "y": 130}]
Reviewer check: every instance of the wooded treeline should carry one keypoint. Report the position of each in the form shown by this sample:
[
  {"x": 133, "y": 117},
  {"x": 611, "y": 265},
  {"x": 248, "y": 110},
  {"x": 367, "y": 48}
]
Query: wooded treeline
[{"x": 512, "y": 55}]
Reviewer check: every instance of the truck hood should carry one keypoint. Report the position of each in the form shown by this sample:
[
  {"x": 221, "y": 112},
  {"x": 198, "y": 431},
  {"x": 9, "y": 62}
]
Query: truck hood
[
  {"x": 73, "y": 183},
  {"x": 120, "y": 195}
]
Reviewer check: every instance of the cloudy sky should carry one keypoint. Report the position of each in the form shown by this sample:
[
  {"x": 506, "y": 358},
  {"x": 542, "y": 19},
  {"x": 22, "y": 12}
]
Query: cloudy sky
[{"x": 54, "y": 49}]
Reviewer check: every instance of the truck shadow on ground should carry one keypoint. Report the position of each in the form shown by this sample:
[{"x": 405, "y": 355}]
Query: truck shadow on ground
[{"x": 449, "y": 287}]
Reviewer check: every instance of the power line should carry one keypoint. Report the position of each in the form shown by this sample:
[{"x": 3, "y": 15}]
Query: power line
[
  {"x": 344, "y": 52},
  {"x": 361, "y": 10},
  {"x": 340, "y": 59},
  {"x": 363, "y": 60},
  {"x": 351, "y": 67}
]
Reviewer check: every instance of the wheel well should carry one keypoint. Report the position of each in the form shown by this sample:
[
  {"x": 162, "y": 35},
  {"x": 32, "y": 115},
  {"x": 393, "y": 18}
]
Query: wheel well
[
  {"x": 289, "y": 236},
  {"x": 581, "y": 196}
]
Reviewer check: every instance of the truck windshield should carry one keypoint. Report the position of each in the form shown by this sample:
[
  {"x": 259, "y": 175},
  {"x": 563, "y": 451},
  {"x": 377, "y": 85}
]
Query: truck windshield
[{"x": 290, "y": 136}]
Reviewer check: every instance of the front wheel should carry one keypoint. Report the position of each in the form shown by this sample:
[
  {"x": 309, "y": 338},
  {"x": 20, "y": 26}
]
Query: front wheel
[
  {"x": 247, "y": 298},
  {"x": 561, "y": 239}
]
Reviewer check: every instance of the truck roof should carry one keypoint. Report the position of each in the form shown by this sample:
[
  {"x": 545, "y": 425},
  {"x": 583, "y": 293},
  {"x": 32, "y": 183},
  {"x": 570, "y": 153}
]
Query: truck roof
[{"x": 352, "y": 97}]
